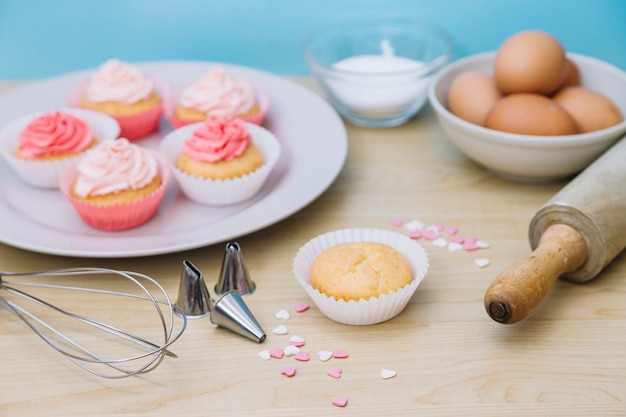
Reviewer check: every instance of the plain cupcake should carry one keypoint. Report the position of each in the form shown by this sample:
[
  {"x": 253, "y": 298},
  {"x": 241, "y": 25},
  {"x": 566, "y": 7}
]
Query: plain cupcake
[
  {"x": 122, "y": 91},
  {"x": 117, "y": 185},
  {"x": 221, "y": 161},
  {"x": 372, "y": 267},
  {"x": 217, "y": 94},
  {"x": 39, "y": 146}
]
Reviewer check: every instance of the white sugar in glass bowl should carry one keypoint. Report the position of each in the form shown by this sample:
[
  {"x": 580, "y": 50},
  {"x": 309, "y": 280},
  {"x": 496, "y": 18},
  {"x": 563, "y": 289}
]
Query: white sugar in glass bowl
[
  {"x": 376, "y": 71},
  {"x": 525, "y": 157}
]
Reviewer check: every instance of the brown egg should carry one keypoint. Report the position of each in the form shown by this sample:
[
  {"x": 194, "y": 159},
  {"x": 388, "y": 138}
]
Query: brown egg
[
  {"x": 530, "y": 62},
  {"x": 591, "y": 110},
  {"x": 530, "y": 114},
  {"x": 471, "y": 95},
  {"x": 572, "y": 75}
]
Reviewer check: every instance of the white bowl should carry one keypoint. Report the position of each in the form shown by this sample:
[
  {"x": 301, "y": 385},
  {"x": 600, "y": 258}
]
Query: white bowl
[{"x": 526, "y": 157}]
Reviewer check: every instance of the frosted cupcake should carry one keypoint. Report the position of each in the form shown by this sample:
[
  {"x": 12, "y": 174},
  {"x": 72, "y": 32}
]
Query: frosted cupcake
[
  {"x": 221, "y": 161},
  {"x": 124, "y": 92},
  {"x": 117, "y": 185},
  {"x": 217, "y": 94},
  {"x": 39, "y": 146},
  {"x": 364, "y": 255}
]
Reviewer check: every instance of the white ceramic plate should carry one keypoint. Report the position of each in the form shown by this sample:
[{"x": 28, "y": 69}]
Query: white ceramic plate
[{"x": 314, "y": 149}]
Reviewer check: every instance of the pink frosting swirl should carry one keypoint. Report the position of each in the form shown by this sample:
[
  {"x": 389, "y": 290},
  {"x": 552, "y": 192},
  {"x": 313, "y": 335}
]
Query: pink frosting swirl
[
  {"x": 218, "y": 139},
  {"x": 113, "y": 166},
  {"x": 54, "y": 133},
  {"x": 120, "y": 82},
  {"x": 219, "y": 94}
]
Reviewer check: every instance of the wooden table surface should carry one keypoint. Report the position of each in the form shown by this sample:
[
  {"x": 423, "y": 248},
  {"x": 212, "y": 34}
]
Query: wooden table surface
[{"x": 567, "y": 359}]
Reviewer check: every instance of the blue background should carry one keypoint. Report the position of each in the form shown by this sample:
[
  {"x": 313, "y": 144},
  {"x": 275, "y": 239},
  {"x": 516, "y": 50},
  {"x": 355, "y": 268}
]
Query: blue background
[{"x": 41, "y": 38}]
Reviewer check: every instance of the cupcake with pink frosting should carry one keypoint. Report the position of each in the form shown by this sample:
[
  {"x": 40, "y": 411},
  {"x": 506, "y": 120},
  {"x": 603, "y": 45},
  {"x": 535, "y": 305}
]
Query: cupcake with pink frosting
[
  {"x": 217, "y": 94},
  {"x": 39, "y": 146},
  {"x": 117, "y": 185},
  {"x": 124, "y": 92},
  {"x": 221, "y": 161}
]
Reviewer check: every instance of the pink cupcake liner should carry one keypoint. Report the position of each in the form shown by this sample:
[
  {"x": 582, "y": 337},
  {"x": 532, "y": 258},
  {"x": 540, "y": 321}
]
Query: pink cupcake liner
[
  {"x": 375, "y": 309},
  {"x": 263, "y": 100},
  {"x": 221, "y": 192},
  {"x": 46, "y": 173},
  {"x": 117, "y": 216},
  {"x": 136, "y": 126}
]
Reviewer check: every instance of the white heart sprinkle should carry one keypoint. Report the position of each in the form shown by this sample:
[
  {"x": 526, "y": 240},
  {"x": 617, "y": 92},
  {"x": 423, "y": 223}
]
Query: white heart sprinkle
[
  {"x": 387, "y": 373},
  {"x": 454, "y": 246},
  {"x": 265, "y": 355},
  {"x": 324, "y": 355},
  {"x": 296, "y": 339},
  {"x": 290, "y": 350},
  {"x": 482, "y": 244},
  {"x": 280, "y": 329},
  {"x": 414, "y": 225},
  {"x": 482, "y": 262},
  {"x": 440, "y": 242},
  {"x": 282, "y": 315}
]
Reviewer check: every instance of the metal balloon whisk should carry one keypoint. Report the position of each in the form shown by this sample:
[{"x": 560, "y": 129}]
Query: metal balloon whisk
[{"x": 102, "y": 348}]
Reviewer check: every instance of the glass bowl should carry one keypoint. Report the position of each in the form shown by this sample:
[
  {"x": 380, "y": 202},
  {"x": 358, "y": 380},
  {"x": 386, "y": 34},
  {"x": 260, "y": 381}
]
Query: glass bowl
[{"x": 376, "y": 71}]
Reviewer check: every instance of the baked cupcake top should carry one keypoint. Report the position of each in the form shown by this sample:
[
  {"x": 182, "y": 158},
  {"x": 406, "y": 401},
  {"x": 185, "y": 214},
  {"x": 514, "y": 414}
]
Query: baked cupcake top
[
  {"x": 219, "y": 94},
  {"x": 120, "y": 82},
  {"x": 114, "y": 166},
  {"x": 219, "y": 139},
  {"x": 54, "y": 133}
]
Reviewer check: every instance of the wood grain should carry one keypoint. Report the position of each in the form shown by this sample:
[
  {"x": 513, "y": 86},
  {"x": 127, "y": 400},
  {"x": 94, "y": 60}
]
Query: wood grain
[{"x": 451, "y": 359}]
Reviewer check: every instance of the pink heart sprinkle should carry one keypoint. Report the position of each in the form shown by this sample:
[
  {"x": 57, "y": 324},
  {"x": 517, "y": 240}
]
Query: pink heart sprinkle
[
  {"x": 302, "y": 356},
  {"x": 288, "y": 371},
  {"x": 277, "y": 353},
  {"x": 340, "y": 401},
  {"x": 297, "y": 344},
  {"x": 340, "y": 354},
  {"x": 415, "y": 234},
  {"x": 457, "y": 239},
  {"x": 451, "y": 230},
  {"x": 471, "y": 239},
  {"x": 300, "y": 307},
  {"x": 429, "y": 234},
  {"x": 335, "y": 373},
  {"x": 470, "y": 246},
  {"x": 396, "y": 222}
]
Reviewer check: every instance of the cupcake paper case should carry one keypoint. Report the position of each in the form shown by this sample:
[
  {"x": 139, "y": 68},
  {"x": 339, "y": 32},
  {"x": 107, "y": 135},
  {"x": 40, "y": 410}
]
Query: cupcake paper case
[
  {"x": 46, "y": 173},
  {"x": 222, "y": 192},
  {"x": 375, "y": 309}
]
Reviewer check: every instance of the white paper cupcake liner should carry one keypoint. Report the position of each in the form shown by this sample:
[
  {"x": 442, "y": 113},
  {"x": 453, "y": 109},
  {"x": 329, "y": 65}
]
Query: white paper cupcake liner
[
  {"x": 46, "y": 173},
  {"x": 375, "y": 309},
  {"x": 222, "y": 192}
]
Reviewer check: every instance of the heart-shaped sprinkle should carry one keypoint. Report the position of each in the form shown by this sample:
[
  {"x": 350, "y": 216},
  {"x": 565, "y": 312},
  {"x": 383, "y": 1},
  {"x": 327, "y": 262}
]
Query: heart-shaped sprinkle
[
  {"x": 482, "y": 262},
  {"x": 451, "y": 230},
  {"x": 296, "y": 341},
  {"x": 282, "y": 315},
  {"x": 396, "y": 222},
  {"x": 280, "y": 329},
  {"x": 334, "y": 373},
  {"x": 277, "y": 353},
  {"x": 471, "y": 240},
  {"x": 440, "y": 242},
  {"x": 457, "y": 239},
  {"x": 265, "y": 355},
  {"x": 324, "y": 355},
  {"x": 291, "y": 350},
  {"x": 387, "y": 373},
  {"x": 301, "y": 307},
  {"x": 340, "y": 354},
  {"x": 482, "y": 244},
  {"x": 415, "y": 234},
  {"x": 454, "y": 246},
  {"x": 340, "y": 401},
  {"x": 288, "y": 371},
  {"x": 430, "y": 234},
  {"x": 414, "y": 225},
  {"x": 470, "y": 247},
  {"x": 302, "y": 356}
]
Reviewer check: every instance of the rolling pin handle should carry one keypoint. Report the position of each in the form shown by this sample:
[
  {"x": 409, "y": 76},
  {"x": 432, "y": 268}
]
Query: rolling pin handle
[{"x": 519, "y": 289}]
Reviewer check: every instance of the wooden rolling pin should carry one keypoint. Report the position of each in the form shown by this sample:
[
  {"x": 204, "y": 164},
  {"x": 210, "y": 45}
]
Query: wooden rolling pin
[{"x": 573, "y": 236}]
